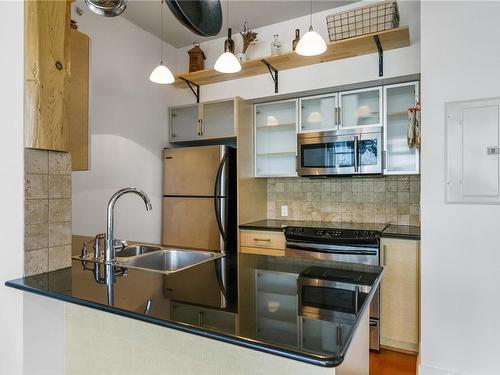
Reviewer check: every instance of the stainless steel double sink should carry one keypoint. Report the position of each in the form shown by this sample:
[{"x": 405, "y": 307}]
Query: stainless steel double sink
[{"x": 162, "y": 260}]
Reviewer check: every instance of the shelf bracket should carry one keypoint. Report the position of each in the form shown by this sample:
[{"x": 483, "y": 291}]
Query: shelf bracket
[
  {"x": 380, "y": 56},
  {"x": 192, "y": 85},
  {"x": 274, "y": 74}
]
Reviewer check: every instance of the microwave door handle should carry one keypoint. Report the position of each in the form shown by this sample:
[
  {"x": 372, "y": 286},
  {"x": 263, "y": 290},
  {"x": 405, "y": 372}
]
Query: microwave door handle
[{"x": 356, "y": 154}]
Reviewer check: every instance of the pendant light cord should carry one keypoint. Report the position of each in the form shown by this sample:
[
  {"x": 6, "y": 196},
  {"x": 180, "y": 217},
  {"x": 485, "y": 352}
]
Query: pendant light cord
[
  {"x": 311, "y": 13},
  {"x": 161, "y": 32},
  {"x": 227, "y": 12}
]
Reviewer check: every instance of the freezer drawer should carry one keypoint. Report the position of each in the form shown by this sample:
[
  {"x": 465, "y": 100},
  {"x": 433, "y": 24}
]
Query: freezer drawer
[
  {"x": 191, "y": 171},
  {"x": 190, "y": 222}
]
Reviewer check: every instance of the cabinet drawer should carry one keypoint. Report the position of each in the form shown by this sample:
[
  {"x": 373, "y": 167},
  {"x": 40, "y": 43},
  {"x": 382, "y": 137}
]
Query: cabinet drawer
[
  {"x": 264, "y": 239},
  {"x": 262, "y": 251}
]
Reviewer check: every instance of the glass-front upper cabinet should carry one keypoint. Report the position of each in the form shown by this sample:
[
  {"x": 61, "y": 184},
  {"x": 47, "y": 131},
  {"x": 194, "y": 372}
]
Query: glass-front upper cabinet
[
  {"x": 318, "y": 113},
  {"x": 218, "y": 119},
  {"x": 184, "y": 123},
  {"x": 400, "y": 159},
  {"x": 361, "y": 107},
  {"x": 275, "y": 138}
]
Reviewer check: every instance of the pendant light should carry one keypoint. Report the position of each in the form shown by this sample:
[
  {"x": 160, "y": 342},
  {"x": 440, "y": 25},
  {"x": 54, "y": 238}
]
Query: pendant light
[
  {"x": 311, "y": 43},
  {"x": 227, "y": 62},
  {"x": 161, "y": 74}
]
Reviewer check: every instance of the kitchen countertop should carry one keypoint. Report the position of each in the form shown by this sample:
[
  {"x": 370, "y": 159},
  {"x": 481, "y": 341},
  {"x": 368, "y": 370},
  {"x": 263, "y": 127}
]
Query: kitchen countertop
[
  {"x": 396, "y": 231},
  {"x": 214, "y": 286}
]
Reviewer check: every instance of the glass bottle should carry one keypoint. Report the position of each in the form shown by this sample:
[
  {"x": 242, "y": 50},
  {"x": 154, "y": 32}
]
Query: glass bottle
[
  {"x": 275, "y": 46},
  {"x": 296, "y": 40}
]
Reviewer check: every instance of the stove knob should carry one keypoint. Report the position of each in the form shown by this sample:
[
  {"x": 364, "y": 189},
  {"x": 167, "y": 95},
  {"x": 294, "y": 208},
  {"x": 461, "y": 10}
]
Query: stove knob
[{"x": 355, "y": 234}]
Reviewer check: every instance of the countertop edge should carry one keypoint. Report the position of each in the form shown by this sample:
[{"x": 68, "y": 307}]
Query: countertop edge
[
  {"x": 406, "y": 236},
  {"x": 333, "y": 361}
]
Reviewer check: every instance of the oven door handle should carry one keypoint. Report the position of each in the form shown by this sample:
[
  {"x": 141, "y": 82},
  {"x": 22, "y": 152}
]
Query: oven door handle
[{"x": 333, "y": 249}]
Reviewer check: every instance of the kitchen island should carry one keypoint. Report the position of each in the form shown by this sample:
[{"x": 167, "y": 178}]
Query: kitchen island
[{"x": 237, "y": 314}]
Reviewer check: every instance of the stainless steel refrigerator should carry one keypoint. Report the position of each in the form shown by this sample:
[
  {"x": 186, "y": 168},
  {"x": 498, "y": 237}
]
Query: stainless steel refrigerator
[{"x": 199, "y": 198}]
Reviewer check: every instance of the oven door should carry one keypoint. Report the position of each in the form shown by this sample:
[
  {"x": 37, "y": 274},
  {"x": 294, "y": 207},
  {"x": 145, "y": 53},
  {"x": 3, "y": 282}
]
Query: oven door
[{"x": 339, "y": 153}]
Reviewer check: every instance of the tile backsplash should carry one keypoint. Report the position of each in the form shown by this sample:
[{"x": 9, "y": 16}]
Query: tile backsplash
[
  {"x": 388, "y": 199},
  {"x": 47, "y": 211}
]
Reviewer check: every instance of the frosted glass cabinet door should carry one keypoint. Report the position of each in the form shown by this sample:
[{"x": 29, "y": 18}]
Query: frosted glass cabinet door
[
  {"x": 184, "y": 123},
  {"x": 275, "y": 138},
  {"x": 218, "y": 119},
  {"x": 318, "y": 113},
  {"x": 400, "y": 159},
  {"x": 361, "y": 107}
]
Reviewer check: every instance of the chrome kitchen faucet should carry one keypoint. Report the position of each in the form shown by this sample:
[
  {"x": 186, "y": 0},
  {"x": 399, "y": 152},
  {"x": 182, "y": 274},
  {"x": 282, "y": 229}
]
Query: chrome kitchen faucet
[{"x": 109, "y": 255}]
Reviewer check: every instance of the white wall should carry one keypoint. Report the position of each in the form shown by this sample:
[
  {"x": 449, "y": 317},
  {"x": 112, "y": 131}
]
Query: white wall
[
  {"x": 128, "y": 126},
  {"x": 460, "y": 249},
  {"x": 11, "y": 191},
  {"x": 398, "y": 62}
]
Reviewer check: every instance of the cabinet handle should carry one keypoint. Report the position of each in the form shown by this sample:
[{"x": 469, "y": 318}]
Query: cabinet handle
[
  {"x": 384, "y": 255},
  {"x": 202, "y": 127},
  {"x": 59, "y": 65},
  {"x": 198, "y": 127},
  {"x": 262, "y": 239}
]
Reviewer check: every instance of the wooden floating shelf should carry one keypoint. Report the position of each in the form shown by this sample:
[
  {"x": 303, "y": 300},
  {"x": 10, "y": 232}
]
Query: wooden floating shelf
[{"x": 343, "y": 49}]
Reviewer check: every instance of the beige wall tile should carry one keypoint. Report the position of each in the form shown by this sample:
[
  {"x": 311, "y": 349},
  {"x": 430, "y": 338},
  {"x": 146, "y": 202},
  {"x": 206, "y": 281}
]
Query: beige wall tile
[
  {"x": 59, "y": 210},
  {"x": 60, "y": 186},
  {"x": 59, "y": 257},
  {"x": 36, "y": 211},
  {"x": 36, "y": 262},
  {"x": 36, "y": 186},
  {"x": 36, "y": 161},
  {"x": 59, "y": 162},
  {"x": 36, "y": 236},
  {"x": 388, "y": 199},
  {"x": 59, "y": 234}
]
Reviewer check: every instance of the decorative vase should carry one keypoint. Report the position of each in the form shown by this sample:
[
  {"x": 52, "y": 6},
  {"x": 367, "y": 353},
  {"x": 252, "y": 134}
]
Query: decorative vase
[
  {"x": 275, "y": 46},
  {"x": 242, "y": 57}
]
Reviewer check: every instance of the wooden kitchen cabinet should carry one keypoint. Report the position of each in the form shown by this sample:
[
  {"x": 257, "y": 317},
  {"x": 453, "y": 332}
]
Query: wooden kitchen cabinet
[
  {"x": 399, "y": 294},
  {"x": 211, "y": 120},
  {"x": 47, "y": 74},
  {"x": 78, "y": 116},
  {"x": 262, "y": 242}
]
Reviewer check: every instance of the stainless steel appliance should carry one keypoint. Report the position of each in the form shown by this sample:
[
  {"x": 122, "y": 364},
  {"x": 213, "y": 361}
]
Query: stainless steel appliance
[
  {"x": 340, "y": 152},
  {"x": 358, "y": 244},
  {"x": 199, "y": 198}
]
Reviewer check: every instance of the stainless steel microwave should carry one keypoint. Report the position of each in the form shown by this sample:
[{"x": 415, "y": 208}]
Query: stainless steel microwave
[{"x": 340, "y": 152}]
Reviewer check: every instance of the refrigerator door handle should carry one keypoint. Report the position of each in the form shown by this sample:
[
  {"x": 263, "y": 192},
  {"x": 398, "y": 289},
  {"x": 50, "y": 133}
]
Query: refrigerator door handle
[{"x": 217, "y": 196}]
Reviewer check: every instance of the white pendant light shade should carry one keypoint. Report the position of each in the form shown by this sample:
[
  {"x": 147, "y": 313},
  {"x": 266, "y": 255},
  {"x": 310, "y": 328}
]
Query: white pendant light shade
[
  {"x": 162, "y": 75},
  {"x": 227, "y": 63},
  {"x": 311, "y": 44}
]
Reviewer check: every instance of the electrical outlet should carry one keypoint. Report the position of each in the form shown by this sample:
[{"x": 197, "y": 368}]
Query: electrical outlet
[{"x": 284, "y": 211}]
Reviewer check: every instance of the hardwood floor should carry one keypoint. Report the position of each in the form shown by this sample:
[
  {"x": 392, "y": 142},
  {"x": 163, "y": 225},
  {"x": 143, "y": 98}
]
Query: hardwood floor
[{"x": 388, "y": 362}]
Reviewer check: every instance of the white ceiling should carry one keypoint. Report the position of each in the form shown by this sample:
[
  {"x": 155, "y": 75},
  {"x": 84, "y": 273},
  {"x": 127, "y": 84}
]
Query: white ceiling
[{"x": 257, "y": 13}]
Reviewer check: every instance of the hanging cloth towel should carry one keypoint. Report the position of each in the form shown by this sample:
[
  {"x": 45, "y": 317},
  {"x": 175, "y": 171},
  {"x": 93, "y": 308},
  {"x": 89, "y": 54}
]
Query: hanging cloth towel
[{"x": 413, "y": 136}]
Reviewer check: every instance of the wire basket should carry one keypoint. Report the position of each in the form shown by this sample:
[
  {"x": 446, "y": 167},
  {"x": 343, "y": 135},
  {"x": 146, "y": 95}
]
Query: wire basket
[{"x": 364, "y": 20}]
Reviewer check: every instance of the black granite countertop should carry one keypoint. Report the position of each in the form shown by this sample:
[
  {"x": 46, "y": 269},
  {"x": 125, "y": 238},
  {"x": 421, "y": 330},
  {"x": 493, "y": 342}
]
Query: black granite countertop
[
  {"x": 254, "y": 298},
  {"x": 402, "y": 231},
  {"x": 396, "y": 231}
]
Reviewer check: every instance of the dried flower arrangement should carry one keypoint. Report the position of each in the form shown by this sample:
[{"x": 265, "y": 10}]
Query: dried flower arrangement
[{"x": 249, "y": 37}]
